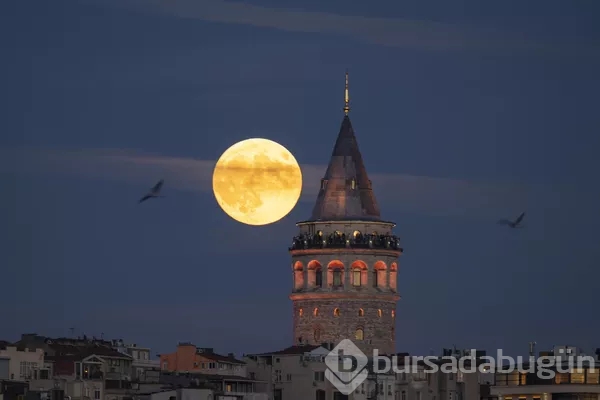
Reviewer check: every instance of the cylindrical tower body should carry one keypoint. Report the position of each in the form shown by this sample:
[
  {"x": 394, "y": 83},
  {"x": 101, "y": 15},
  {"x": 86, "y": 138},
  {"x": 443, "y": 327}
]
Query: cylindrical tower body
[{"x": 346, "y": 288}]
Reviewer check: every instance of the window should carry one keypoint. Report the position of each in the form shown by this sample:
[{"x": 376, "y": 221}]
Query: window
[
  {"x": 393, "y": 314},
  {"x": 228, "y": 387},
  {"x": 337, "y": 277},
  {"x": 375, "y": 283},
  {"x": 319, "y": 278},
  {"x": 356, "y": 277},
  {"x": 278, "y": 394},
  {"x": 316, "y": 312},
  {"x": 97, "y": 394},
  {"x": 593, "y": 377},
  {"x": 403, "y": 396},
  {"x": 277, "y": 375},
  {"x": 288, "y": 377},
  {"x": 320, "y": 395},
  {"x": 319, "y": 376},
  {"x": 317, "y": 335},
  {"x": 336, "y": 312},
  {"x": 577, "y": 375},
  {"x": 361, "y": 312},
  {"x": 359, "y": 335},
  {"x": 379, "y": 313},
  {"x": 353, "y": 184},
  {"x": 418, "y": 395},
  {"x": 562, "y": 378},
  {"x": 300, "y": 311},
  {"x": 323, "y": 183}
]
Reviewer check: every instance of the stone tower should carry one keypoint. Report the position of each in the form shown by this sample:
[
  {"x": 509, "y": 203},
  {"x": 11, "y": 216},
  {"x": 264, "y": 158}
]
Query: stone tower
[{"x": 345, "y": 258}]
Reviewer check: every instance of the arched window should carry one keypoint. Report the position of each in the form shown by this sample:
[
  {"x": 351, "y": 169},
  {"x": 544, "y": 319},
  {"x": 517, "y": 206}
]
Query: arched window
[
  {"x": 316, "y": 312},
  {"x": 335, "y": 273},
  {"x": 356, "y": 277},
  {"x": 315, "y": 274},
  {"x": 337, "y": 277},
  {"x": 317, "y": 334},
  {"x": 379, "y": 274},
  {"x": 375, "y": 280},
  {"x": 361, "y": 312},
  {"x": 300, "y": 312},
  {"x": 298, "y": 275},
  {"x": 336, "y": 312},
  {"x": 393, "y": 314},
  {"x": 319, "y": 278},
  {"x": 379, "y": 313},
  {"x": 359, "y": 334}
]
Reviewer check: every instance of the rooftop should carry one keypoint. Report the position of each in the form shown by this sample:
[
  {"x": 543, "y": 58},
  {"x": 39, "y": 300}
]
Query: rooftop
[{"x": 346, "y": 192}]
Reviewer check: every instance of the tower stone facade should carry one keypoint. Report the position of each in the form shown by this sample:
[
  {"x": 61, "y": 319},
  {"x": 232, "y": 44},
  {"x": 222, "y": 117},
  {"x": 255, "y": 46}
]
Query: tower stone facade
[{"x": 345, "y": 258}]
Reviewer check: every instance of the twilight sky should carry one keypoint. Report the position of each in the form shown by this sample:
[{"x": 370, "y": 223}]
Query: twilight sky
[{"x": 465, "y": 113}]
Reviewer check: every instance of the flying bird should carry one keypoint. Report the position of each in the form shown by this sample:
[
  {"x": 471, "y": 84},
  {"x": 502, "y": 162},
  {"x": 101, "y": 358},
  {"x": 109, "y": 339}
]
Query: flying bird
[
  {"x": 513, "y": 224},
  {"x": 154, "y": 192}
]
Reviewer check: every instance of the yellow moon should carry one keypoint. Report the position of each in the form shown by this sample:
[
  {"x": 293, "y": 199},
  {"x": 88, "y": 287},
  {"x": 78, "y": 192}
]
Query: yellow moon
[{"x": 257, "y": 181}]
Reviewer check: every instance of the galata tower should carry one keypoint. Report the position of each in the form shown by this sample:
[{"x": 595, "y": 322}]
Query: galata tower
[{"x": 345, "y": 258}]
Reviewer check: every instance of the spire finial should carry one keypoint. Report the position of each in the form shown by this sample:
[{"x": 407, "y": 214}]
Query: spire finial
[{"x": 346, "y": 97}]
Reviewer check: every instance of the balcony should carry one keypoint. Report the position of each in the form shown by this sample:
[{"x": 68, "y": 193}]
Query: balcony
[
  {"x": 117, "y": 376},
  {"x": 146, "y": 363},
  {"x": 338, "y": 240},
  {"x": 582, "y": 377}
]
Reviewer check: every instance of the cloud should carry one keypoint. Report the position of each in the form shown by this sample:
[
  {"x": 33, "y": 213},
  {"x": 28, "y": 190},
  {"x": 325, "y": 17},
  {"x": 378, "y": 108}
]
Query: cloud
[
  {"x": 404, "y": 192},
  {"x": 395, "y": 32}
]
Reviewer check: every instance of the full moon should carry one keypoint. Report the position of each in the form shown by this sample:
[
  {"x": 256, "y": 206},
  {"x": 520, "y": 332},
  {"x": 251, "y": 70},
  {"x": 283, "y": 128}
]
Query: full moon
[{"x": 257, "y": 181}]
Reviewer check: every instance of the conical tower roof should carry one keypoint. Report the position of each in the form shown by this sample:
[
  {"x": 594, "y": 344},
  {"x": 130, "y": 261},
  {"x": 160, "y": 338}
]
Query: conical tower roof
[{"x": 346, "y": 192}]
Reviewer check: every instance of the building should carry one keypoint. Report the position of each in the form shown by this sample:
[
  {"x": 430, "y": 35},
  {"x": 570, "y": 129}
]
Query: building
[
  {"x": 144, "y": 368},
  {"x": 567, "y": 382},
  {"x": 84, "y": 368},
  {"x": 345, "y": 258},
  {"x": 23, "y": 363},
  {"x": 189, "y": 358}
]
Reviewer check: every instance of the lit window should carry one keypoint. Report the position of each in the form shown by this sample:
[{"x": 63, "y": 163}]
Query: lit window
[
  {"x": 228, "y": 389},
  {"x": 353, "y": 184},
  {"x": 361, "y": 312},
  {"x": 359, "y": 335},
  {"x": 356, "y": 277},
  {"x": 300, "y": 312},
  {"x": 336, "y": 312},
  {"x": 393, "y": 314},
  {"x": 316, "y": 312},
  {"x": 379, "y": 313}
]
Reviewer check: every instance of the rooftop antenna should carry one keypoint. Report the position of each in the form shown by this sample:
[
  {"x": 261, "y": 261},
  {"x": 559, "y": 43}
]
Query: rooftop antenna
[
  {"x": 532, "y": 349},
  {"x": 346, "y": 96}
]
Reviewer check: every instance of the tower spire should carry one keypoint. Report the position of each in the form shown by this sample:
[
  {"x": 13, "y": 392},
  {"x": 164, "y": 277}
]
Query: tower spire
[{"x": 346, "y": 97}]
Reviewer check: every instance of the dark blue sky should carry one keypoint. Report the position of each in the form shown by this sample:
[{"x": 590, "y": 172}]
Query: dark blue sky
[{"x": 465, "y": 113}]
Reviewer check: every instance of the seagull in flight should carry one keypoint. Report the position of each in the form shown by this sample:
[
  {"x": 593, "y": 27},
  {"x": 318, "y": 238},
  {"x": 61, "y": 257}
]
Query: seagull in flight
[
  {"x": 154, "y": 192},
  {"x": 513, "y": 224}
]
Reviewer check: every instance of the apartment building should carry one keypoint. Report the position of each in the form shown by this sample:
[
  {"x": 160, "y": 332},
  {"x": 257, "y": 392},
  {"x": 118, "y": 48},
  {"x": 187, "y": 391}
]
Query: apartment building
[
  {"x": 568, "y": 381},
  {"x": 203, "y": 360}
]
